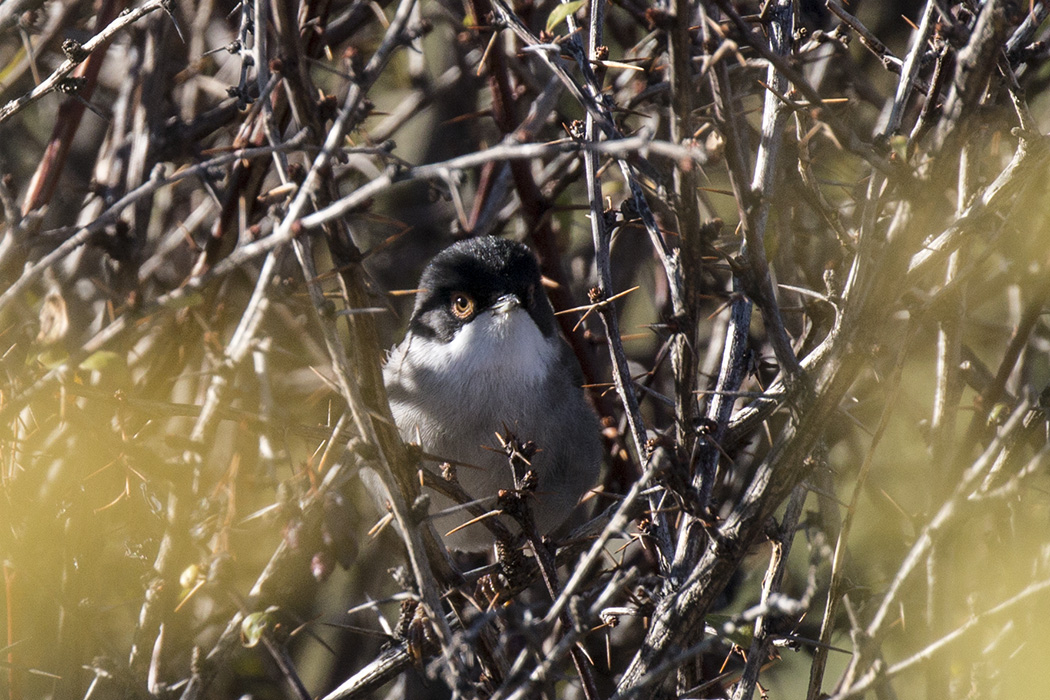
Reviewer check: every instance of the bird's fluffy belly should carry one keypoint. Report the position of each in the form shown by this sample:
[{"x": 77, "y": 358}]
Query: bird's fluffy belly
[{"x": 453, "y": 398}]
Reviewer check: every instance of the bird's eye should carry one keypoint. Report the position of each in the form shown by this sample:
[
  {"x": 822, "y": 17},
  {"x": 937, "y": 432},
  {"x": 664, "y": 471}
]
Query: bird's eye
[{"x": 462, "y": 306}]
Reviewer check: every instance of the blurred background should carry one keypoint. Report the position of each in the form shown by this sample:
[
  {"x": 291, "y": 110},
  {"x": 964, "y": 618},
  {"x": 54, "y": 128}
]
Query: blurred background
[{"x": 180, "y": 499}]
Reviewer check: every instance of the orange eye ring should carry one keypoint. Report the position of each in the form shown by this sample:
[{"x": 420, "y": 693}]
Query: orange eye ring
[{"x": 462, "y": 306}]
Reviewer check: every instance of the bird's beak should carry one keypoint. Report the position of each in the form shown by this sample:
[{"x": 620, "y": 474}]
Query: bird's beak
[{"x": 506, "y": 303}]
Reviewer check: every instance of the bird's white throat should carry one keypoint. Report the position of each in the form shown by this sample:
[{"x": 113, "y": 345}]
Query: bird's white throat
[{"x": 502, "y": 344}]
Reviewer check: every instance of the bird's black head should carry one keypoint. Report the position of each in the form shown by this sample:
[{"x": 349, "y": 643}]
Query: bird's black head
[{"x": 469, "y": 277}]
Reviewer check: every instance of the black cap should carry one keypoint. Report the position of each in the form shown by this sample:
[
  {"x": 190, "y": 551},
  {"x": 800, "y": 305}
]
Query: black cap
[{"x": 486, "y": 269}]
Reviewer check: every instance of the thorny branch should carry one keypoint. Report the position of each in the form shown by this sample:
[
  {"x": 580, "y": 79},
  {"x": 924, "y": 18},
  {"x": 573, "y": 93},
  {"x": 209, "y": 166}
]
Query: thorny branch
[
  {"x": 258, "y": 198},
  {"x": 75, "y": 55}
]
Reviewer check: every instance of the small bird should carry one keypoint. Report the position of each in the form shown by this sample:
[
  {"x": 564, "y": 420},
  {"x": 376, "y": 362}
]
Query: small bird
[{"x": 483, "y": 356}]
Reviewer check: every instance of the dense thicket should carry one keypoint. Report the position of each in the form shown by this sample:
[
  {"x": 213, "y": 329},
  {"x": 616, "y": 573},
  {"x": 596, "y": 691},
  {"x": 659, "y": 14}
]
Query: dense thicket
[{"x": 802, "y": 253}]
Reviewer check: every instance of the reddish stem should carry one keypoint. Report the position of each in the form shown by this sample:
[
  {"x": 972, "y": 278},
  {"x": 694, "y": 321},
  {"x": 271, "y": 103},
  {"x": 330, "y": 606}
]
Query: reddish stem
[{"x": 45, "y": 179}]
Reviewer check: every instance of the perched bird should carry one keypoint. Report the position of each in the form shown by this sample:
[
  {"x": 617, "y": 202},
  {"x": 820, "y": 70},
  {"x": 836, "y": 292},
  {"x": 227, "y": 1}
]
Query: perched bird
[{"x": 483, "y": 355}]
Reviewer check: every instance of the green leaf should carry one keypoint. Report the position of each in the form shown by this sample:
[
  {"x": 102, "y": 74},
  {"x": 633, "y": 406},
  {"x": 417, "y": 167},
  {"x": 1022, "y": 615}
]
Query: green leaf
[
  {"x": 102, "y": 360},
  {"x": 52, "y": 357},
  {"x": 191, "y": 299},
  {"x": 561, "y": 13},
  {"x": 725, "y": 627},
  {"x": 254, "y": 626}
]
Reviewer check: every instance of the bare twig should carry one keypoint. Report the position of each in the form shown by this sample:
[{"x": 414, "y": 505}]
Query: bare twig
[{"x": 55, "y": 80}]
